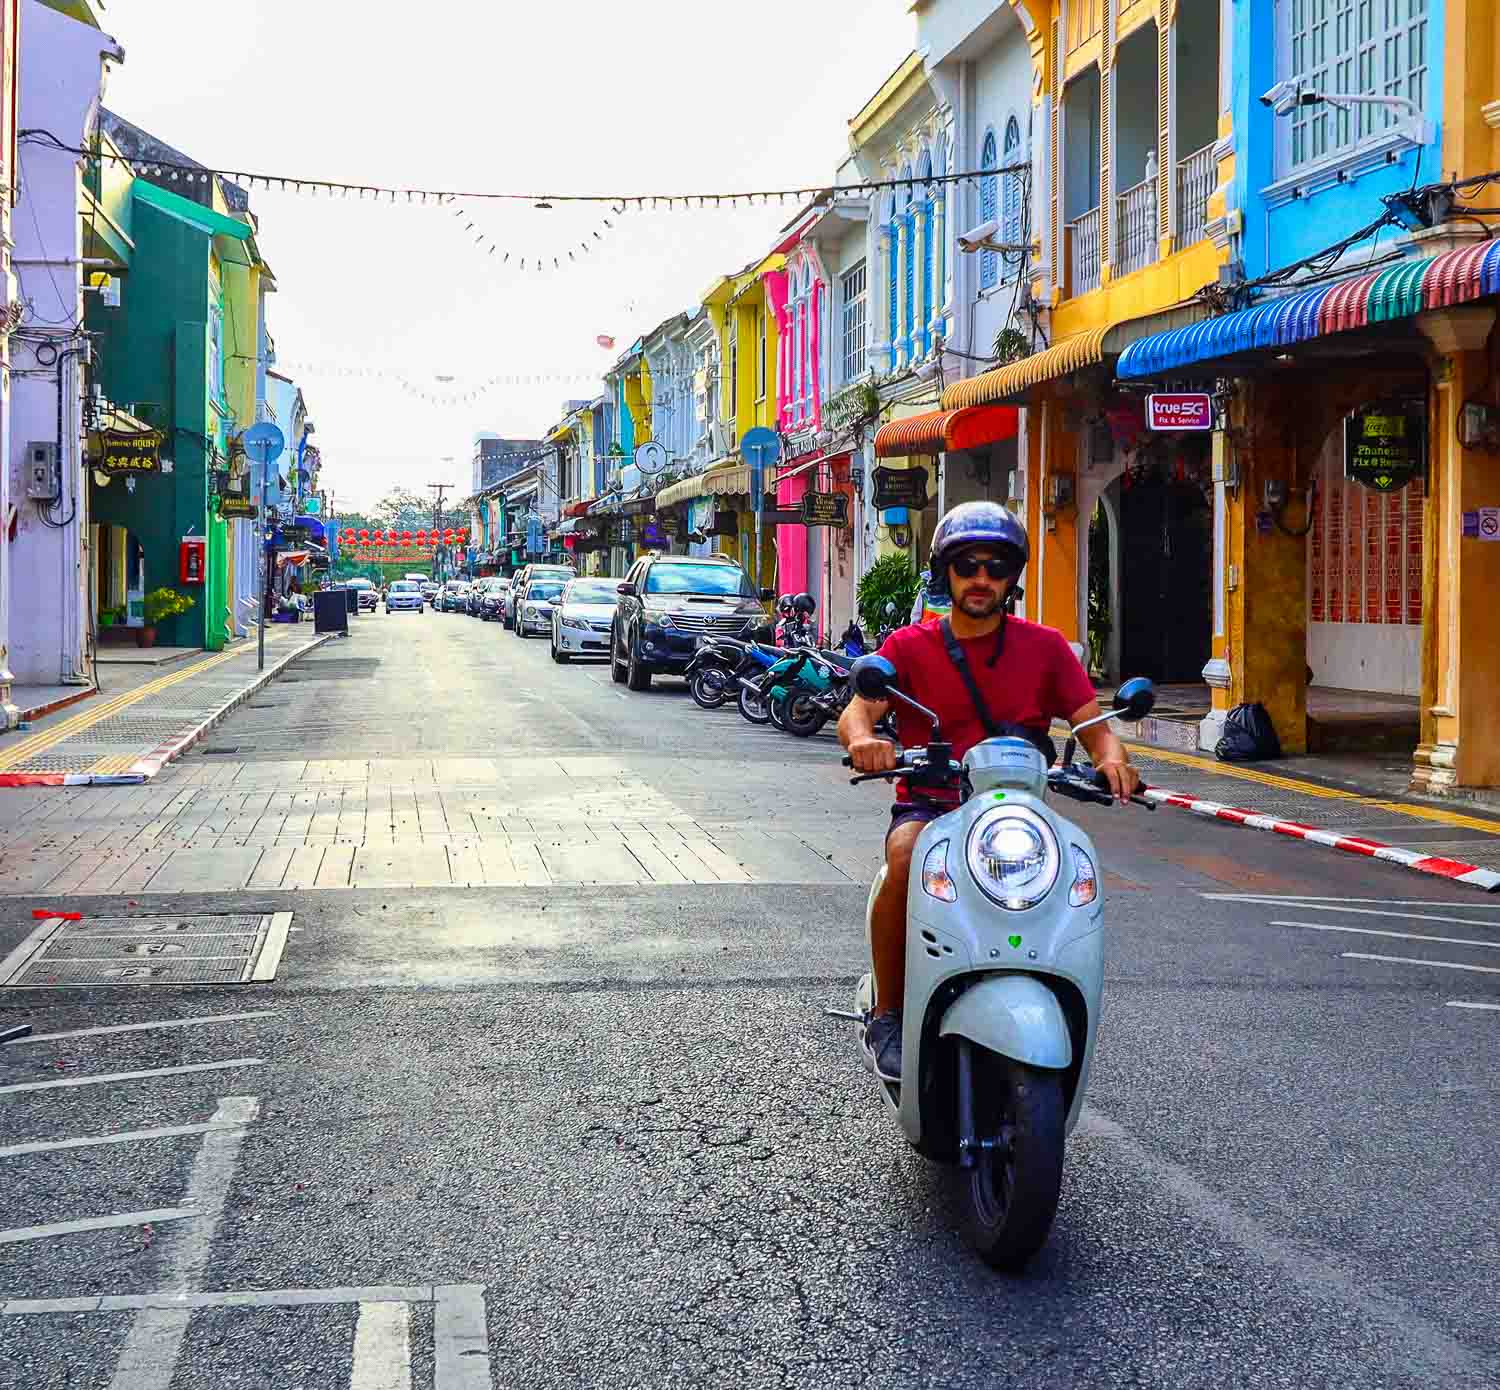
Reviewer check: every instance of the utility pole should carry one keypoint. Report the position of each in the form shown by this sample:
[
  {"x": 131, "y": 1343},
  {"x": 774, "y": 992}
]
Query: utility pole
[{"x": 437, "y": 509}]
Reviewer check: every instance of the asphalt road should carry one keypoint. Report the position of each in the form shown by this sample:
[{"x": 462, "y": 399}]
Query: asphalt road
[{"x": 591, "y": 1128}]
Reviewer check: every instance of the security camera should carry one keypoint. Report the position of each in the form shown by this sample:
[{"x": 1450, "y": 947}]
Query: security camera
[
  {"x": 1286, "y": 96},
  {"x": 977, "y": 239}
]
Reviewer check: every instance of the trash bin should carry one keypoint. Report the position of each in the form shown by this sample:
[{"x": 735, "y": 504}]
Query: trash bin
[
  {"x": 353, "y": 597},
  {"x": 330, "y": 613}
]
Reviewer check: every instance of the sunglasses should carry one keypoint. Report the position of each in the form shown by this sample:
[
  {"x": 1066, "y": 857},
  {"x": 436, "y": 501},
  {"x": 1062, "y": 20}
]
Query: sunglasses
[{"x": 967, "y": 566}]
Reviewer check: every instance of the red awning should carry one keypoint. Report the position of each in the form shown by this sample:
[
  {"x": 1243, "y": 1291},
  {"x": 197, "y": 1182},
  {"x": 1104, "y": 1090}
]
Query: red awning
[
  {"x": 1456, "y": 277},
  {"x": 579, "y": 508},
  {"x": 945, "y": 431}
]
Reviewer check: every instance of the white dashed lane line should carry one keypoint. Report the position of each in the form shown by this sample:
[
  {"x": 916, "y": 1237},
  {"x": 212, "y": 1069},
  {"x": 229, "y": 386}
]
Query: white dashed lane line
[
  {"x": 1434, "y": 964},
  {"x": 141, "y": 1027},
  {"x": 108, "y": 1077},
  {"x": 1401, "y": 935}
]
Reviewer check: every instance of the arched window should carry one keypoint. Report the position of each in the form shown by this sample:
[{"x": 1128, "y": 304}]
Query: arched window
[
  {"x": 1010, "y": 218},
  {"x": 989, "y": 262}
]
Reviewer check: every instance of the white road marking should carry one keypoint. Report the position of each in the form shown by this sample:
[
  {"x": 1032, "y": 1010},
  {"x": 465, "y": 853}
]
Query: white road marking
[
  {"x": 142, "y": 1027},
  {"x": 125, "y": 1136},
  {"x": 254, "y": 1298},
  {"x": 275, "y": 944},
  {"x": 1365, "y": 911},
  {"x": 382, "y": 1348},
  {"x": 96, "y": 1223},
  {"x": 1465, "y": 1004},
  {"x": 128, "y": 1075},
  {"x": 1412, "y": 960},
  {"x": 1289, "y": 898},
  {"x": 1402, "y": 935},
  {"x": 148, "y": 1360},
  {"x": 460, "y": 1338}
]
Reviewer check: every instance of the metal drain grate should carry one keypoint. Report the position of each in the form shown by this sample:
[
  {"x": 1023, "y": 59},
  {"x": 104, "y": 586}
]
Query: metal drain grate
[
  {"x": 235, "y": 948},
  {"x": 218, "y": 751}
]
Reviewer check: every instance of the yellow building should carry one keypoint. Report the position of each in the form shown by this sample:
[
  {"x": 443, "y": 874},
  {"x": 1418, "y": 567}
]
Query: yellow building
[
  {"x": 745, "y": 326},
  {"x": 1131, "y": 166}
]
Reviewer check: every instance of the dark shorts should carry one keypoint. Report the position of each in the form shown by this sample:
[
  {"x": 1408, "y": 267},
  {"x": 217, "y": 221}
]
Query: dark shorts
[{"x": 909, "y": 812}]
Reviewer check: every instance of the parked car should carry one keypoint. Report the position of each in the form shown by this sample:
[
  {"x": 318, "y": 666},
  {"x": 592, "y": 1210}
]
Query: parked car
[
  {"x": 430, "y": 590},
  {"x": 403, "y": 594},
  {"x": 369, "y": 595},
  {"x": 492, "y": 605},
  {"x": 523, "y": 577},
  {"x": 666, "y": 603},
  {"x": 581, "y": 618},
  {"x": 454, "y": 596},
  {"x": 534, "y": 607},
  {"x": 479, "y": 592}
]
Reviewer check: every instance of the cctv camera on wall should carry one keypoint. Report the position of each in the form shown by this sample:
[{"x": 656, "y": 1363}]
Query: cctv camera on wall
[{"x": 975, "y": 240}]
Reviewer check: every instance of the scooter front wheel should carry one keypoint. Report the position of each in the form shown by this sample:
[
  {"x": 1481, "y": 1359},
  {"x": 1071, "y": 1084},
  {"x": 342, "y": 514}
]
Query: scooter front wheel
[
  {"x": 1010, "y": 1191},
  {"x": 753, "y": 707},
  {"x": 803, "y": 717},
  {"x": 707, "y": 689},
  {"x": 776, "y": 708}
]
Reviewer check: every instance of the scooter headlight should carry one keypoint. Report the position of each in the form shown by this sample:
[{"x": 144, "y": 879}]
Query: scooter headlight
[{"x": 1013, "y": 857}]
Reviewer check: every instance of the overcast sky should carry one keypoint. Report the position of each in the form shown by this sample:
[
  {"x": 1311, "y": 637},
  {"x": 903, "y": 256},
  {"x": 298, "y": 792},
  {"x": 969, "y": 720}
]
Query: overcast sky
[{"x": 569, "y": 96}]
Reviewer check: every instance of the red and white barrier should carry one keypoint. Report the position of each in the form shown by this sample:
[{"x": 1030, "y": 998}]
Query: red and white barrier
[{"x": 1487, "y": 879}]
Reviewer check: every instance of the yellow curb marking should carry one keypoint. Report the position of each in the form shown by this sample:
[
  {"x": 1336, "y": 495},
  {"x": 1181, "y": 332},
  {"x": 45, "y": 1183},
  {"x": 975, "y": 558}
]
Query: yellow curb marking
[{"x": 49, "y": 738}]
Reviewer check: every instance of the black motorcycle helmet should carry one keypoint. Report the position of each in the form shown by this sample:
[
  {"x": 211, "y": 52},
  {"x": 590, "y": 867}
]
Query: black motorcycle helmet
[
  {"x": 976, "y": 523},
  {"x": 784, "y": 605},
  {"x": 805, "y": 604}
]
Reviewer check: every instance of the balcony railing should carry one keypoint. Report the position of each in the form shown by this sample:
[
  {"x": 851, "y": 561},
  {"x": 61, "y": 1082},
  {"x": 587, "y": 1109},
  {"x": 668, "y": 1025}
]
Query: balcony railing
[
  {"x": 1083, "y": 253},
  {"x": 1136, "y": 226},
  {"x": 1197, "y": 176}
]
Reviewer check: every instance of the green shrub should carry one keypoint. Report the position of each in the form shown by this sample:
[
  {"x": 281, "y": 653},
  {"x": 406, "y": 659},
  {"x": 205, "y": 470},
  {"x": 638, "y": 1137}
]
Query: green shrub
[{"x": 888, "y": 580}]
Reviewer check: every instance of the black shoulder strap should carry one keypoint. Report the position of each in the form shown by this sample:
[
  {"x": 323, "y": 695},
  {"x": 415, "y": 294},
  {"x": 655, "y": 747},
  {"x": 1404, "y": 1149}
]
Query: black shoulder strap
[{"x": 961, "y": 663}]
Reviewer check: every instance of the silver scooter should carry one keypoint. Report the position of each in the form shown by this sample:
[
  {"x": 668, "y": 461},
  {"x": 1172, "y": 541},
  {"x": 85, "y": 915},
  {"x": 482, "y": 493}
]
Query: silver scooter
[{"x": 1004, "y": 970}]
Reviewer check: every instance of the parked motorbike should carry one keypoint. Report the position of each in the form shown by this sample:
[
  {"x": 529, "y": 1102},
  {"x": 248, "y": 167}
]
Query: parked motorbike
[
  {"x": 809, "y": 689},
  {"x": 1004, "y": 970}
]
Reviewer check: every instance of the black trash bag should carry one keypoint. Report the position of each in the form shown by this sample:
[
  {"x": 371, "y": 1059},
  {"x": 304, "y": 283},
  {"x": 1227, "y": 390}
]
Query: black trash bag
[{"x": 1249, "y": 736}]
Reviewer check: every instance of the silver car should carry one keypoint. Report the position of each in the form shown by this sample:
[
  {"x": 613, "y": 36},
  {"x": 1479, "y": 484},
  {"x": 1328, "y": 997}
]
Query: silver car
[
  {"x": 534, "y": 607},
  {"x": 403, "y": 593},
  {"x": 581, "y": 618}
]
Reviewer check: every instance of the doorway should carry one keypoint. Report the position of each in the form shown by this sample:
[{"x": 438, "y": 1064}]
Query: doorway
[{"x": 1165, "y": 616}]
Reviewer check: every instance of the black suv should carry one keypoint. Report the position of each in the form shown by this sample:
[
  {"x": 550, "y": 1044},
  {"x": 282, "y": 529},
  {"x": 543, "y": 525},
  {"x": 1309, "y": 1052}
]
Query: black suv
[{"x": 667, "y": 602}]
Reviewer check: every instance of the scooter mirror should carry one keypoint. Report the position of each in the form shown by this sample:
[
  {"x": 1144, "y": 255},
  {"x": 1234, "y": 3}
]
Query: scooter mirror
[
  {"x": 874, "y": 677},
  {"x": 767, "y": 595},
  {"x": 1135, "y": 699}
]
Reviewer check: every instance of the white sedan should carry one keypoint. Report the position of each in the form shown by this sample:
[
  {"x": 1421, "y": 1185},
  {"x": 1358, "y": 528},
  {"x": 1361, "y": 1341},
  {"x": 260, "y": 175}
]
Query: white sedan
[
  {"x": 581, "y": 618},
  {"x": 534, "y": 607}
]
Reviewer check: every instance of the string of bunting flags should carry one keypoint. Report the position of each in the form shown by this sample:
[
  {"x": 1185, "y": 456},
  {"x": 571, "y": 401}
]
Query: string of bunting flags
[
  {"x": 425, "y": 393},
  {"x": 188, "y": 172},
  {"x": 538, "y": 263}
]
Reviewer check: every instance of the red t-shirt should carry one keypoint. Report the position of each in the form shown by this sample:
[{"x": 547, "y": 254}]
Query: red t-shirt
[{"x": 1036, "y": 680}]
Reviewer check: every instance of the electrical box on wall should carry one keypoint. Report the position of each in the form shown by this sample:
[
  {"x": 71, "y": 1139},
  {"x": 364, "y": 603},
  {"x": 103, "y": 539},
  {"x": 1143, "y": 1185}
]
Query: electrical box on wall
[{"x": 43, "y": 478}]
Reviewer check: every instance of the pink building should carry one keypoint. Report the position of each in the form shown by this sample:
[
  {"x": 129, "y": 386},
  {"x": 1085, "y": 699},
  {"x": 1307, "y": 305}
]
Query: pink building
[{"x": 809, "y": 558}]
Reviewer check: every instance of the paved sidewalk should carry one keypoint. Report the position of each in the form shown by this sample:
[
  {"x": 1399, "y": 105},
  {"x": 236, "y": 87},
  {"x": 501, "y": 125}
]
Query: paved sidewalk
[{"x": 144, "y": 716}]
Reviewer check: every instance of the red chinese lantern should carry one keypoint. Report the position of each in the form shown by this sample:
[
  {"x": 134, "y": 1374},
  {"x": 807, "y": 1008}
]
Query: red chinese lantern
[
  {"x": 364, "y": 535},
  {"x": 448, "y": 536},
  {"x": 421, "y": 537},
  {"x": 406, "y": 537}
]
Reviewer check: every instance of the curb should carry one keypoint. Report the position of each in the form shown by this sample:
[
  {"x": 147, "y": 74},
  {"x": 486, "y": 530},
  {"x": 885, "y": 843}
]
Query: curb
[
  {"x": 1451, "y": 869},
  {"x": 146, "y": 768},
  {"x": 42, "y": 711}
]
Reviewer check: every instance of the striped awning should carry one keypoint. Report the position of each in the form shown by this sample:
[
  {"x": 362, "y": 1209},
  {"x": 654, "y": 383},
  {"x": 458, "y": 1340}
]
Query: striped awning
[
  {"x": 1010, "y": 382},
  {"x": 1431, "y": 282},
  {"x": 944, "y": 431},
  {"x": 723, "y": 481}
]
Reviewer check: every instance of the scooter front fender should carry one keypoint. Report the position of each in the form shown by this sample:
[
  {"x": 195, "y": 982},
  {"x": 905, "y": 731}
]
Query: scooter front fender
[{"x": 1016, "y": 1016}]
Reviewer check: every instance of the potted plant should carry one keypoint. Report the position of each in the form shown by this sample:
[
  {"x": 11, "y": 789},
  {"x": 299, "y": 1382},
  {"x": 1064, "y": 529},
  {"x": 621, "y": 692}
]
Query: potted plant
[
  {"x": 108, "y": 617},
  {"x": 161, "y": 604}
]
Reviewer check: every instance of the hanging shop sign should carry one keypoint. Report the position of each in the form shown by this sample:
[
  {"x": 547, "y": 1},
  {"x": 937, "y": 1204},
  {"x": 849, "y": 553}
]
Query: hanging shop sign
[
  {"x": 900, "y": 487},
  {"x": 1176, "y": 412},
  {"x": 129, "y": 453},
  {"x": 1385, "y": 444},
  {"x": 233, "y": 507},
  {"x": 723, "y": 524},
  {"x": 825, "y": 509}
]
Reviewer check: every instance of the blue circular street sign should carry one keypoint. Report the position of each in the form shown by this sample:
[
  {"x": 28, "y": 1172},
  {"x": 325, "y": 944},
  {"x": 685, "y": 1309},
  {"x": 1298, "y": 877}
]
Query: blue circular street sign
[
  {"x": 760, "y": 447},
  {"x": 264, "y": 442}
]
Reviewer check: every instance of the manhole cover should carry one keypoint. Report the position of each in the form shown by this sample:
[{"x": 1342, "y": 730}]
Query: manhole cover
[
  {"x": 219, "y": 752},
  {"x": 234, "y": 948}
]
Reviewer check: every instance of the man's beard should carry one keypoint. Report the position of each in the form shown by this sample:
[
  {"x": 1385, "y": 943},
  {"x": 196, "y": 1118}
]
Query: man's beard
[{"x": 978, "y": 605}]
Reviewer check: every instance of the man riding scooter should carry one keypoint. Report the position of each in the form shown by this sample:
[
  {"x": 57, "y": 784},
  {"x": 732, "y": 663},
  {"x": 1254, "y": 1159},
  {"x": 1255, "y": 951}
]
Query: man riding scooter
[{"x": 986, "y": 674}]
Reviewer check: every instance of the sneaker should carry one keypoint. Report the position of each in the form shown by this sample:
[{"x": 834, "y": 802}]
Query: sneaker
[{"x": 882, "y": 1044}]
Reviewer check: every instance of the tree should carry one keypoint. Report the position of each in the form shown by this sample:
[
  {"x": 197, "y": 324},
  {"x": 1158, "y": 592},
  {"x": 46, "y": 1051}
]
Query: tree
[{"x": 401, "y": 509}]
